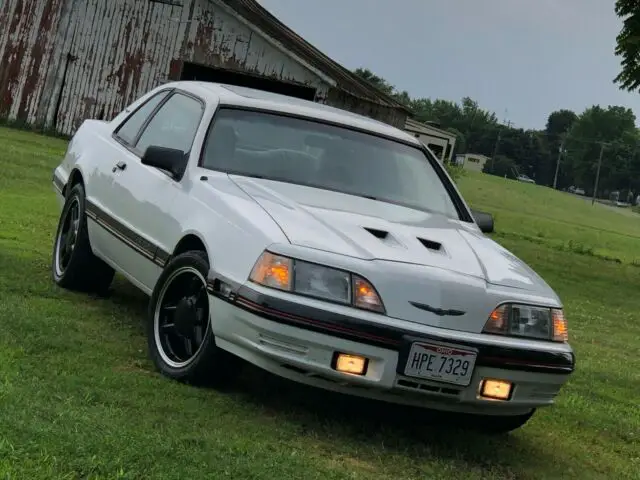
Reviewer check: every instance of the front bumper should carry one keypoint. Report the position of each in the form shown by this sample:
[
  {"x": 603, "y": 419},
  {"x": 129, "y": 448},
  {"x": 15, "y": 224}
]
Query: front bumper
[{"x": 298, "y": 341}]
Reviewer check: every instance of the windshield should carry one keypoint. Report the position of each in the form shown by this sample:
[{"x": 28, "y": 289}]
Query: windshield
[{"x": 324, "y": 156}]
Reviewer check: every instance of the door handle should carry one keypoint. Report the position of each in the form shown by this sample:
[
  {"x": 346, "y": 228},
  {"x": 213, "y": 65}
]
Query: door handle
[{"x": 119, "y": 166}]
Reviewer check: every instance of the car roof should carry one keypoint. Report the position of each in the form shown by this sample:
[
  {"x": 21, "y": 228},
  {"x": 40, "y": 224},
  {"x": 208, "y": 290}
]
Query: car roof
[{"x": 253, "y": 98}]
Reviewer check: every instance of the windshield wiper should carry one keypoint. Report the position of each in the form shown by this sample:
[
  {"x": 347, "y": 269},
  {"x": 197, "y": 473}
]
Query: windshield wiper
[
  {"x": 250, "y": 175},
  {"x": 395, "y": 202},
  {"x": 322, "y": 187}
]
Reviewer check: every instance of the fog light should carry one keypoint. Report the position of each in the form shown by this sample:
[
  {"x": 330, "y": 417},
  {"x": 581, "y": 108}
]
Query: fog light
[
  {"x": 352, "y": 364},
  {"x": 496, "y": 389}
]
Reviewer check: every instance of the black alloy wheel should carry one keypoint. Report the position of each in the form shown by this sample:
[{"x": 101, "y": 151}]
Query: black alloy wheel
[{"x": 180, "y": 337}]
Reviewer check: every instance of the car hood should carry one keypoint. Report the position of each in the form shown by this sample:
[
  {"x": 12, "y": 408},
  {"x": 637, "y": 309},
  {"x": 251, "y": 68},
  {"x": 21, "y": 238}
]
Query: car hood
[{"x": 373, "y": 230}]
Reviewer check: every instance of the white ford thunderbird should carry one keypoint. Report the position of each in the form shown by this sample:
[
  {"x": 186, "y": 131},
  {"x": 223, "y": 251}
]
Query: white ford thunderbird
[{"x": 319, "y": 245}]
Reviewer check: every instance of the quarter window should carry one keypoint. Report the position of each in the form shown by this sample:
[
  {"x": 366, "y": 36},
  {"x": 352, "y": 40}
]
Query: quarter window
[
  {"x": 128, "y": 131},
  {"x": 174, "y": 125}
]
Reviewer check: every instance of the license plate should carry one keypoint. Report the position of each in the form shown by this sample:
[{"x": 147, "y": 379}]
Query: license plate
[{"x": 441, "y": 363}]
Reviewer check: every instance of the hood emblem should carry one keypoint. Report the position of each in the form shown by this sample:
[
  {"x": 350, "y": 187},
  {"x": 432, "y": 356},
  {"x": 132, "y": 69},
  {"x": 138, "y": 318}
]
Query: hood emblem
[{"x": 438, "y": 311}]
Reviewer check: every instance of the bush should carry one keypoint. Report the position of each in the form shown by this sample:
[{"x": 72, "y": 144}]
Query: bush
[
  {"x": 501, "y": 167},
  {"x": 455, "y": 171}
]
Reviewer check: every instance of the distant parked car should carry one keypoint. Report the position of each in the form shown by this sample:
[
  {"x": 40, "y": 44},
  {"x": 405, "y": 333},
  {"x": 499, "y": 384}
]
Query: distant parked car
[
  {"x": 576, "y": 190},
  {"x": 525, "y": 178},
  {"x": 317, "y": 244}
]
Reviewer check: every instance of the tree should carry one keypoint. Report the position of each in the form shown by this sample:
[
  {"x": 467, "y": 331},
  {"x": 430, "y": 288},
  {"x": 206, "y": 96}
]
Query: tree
[
  {"x": 628, "y": 44},
  {"x": 529, "y": 151},
  {"x": 383, "y": 85},
  {"x": 613, "y": 126},
  {"x": 559, "y": 123},
  {"x": 376, "y": 81},
  {"x": 501, "y": 166},
  {"x": 535, "y": 152},
  {"x": 461, "y": 141},
  {"x": 545, "y": 155}
]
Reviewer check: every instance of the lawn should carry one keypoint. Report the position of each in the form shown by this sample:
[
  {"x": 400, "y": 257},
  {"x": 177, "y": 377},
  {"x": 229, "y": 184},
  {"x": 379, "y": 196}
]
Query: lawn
[{"x": 79, "y": 398}]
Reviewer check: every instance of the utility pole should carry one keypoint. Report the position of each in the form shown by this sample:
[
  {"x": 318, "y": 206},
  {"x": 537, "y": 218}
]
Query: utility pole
[
  {"x": 495, "y": 149},
  {"x": 508, "y": 124},
  {"x": 629, "y": 162},
  {"x": 595, "y": 188},
  {"x": 560, "y": 152}
]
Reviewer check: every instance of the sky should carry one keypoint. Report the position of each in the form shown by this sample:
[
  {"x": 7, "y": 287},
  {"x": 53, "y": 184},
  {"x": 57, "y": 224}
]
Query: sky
[{"x": 521, "y": 59}]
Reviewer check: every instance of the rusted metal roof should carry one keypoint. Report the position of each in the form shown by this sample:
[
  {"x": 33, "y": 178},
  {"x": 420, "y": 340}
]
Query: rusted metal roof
[{"x": 253, "y": 12}]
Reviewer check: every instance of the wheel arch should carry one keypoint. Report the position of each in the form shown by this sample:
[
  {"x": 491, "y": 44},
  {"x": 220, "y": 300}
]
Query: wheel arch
[
  {"x": 191, "y": 241},
  {"x": 75, "y": 177}
]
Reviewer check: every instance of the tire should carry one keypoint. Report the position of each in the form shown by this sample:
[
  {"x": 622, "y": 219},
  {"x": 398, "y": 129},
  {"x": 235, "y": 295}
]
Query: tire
[
  {"x": 500, "y": 425},
  {"x": 73, "y": 264},
  {"x": 179, "y": 316}
]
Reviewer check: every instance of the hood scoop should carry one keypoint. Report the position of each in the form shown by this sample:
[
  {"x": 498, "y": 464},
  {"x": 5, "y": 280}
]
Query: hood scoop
[
  {"x": 431, "y": 245},
  {"x": 386, "y": 237},
  {"x": 381, "y": 234},
  {"x": 370, "y": 230}
]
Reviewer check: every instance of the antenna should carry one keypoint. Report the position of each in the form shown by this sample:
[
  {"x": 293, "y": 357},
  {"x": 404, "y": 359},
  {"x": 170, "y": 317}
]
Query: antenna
[{"x": 506, "y": 122}]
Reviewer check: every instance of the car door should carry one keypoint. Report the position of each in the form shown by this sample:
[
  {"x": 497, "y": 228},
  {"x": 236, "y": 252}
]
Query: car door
[
  {"x": 109, "y": 239},
  {"x": 142, "y": 197}
]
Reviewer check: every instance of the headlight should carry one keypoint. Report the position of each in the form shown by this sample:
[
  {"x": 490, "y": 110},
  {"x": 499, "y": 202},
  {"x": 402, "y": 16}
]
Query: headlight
[
  {"x": 528, "y": 321},
  {"x": 316, "y": 281}
]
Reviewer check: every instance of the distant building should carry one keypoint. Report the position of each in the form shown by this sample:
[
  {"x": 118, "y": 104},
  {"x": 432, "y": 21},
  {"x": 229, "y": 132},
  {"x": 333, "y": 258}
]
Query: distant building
[
  {"x": 472, "y": 161},
  {"x": 441, "y": 142}
]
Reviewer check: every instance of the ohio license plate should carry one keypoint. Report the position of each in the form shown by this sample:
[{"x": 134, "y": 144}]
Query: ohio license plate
[{"x": 441, "y": 363}]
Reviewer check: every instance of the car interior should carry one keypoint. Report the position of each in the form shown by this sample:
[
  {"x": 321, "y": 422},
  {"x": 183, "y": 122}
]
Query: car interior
[{"x": 333, "y": 162}]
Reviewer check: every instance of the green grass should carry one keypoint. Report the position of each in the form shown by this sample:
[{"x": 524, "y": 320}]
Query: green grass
[
  {"x": 79, "y": 398},
  {"x": 554, "y": 219}
]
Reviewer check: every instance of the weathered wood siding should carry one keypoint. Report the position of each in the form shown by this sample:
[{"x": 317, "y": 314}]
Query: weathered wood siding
[
  {"x": 67, "y": 60},
  {"x": 220, "y": 38},
  {"x": 27, "y": 34}
]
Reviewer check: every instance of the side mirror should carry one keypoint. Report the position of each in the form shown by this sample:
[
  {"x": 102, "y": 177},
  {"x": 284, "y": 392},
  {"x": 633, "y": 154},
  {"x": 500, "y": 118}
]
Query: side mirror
[
  {"x": 484, "y": 221},
  {"x": 169, "y": 159}
]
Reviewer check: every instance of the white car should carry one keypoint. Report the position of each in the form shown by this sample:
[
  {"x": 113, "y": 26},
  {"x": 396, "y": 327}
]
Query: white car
[
  {"x": 525, "y": 178},
  {"x": 319, "y": 245}
]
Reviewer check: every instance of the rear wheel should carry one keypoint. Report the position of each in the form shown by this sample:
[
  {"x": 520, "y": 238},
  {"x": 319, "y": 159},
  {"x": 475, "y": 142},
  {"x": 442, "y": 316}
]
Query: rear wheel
[
  {"x": 181, "y": 343},
  {"x": 73, "y": 264}
]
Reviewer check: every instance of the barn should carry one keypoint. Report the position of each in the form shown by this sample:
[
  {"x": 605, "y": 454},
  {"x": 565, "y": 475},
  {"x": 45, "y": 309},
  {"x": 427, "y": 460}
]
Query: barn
[
  {"x": 63, "y": 61},
  {"x": 441, "y": 142}
]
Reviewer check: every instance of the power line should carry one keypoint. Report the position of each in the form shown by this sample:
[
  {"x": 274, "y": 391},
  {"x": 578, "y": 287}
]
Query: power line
[{"x": 558, "y": 136}]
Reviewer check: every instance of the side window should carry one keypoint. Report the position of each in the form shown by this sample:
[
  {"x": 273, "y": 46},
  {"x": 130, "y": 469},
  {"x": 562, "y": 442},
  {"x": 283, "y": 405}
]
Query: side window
[
  {"x": 174, "y": 125},
  {"x": 130, "y": 128}
]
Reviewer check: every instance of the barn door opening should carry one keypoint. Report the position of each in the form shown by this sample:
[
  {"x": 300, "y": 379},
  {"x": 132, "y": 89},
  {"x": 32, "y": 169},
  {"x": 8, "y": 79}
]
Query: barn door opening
[
  {"x": 194, "y": 71},
  {"x": 56, "y": 111}
]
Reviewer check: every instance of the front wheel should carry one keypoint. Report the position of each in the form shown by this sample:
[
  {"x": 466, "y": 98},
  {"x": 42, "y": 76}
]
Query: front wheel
[{"x": 181, "y": 343}]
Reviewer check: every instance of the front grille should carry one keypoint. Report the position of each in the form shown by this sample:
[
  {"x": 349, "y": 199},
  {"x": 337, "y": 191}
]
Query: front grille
[
  {"x": 310, "y": 374},
  {"x": 427, "y": 388},
  {"x": 283, "y": 345}
]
